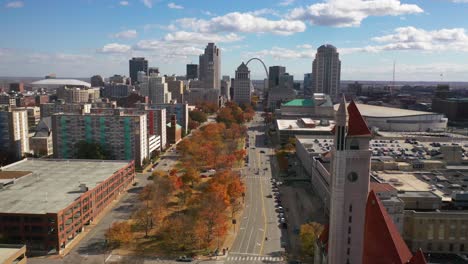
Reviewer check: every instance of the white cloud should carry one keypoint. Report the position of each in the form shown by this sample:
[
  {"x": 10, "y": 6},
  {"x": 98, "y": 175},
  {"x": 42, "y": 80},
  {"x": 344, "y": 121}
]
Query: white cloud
[
  {"x": 115, "y": 48},
  {"x": 124, "y": 3},
  {"x": 167, "y": 49},
  {"x": 411, "y": 38},
  {"x": 264, "y": 11},
  {"x": 194, "y": 37},
  {"x": 304, "y": 46},
  {"x": 286, "y": 2},
  {"x": 127, "y": 34},
  {"x": 278, "y": 53},
  {"x": 148, "y": 3},
  {"x": 242, "y": 22},
  {"x": 174, "y": 6},
  {"x": 350, "y": 13},
  {"x": 14, "y": 4}
]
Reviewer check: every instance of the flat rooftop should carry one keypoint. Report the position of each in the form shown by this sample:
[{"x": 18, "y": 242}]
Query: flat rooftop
[
  {"x": 53, "y": 184},
  {"x": 409, "y": 182},
  {"x": 293, "y": 124},
  {"x": 383, "y": 111}
]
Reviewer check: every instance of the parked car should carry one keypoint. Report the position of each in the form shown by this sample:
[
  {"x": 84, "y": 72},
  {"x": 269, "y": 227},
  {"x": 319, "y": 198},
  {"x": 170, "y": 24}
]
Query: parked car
[
  {"x": 184, "y": 259},
  {"x": 269, "y": 196}
]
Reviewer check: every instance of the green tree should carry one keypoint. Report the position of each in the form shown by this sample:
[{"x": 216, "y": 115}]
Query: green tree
[
  {"x": 308, "y": 236},
  {"x": 197, "y": 115},
  {"x": 87, "y": 150}
]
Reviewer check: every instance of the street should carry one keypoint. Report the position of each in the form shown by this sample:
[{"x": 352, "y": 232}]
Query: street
[{"x": 259, "y": 238}]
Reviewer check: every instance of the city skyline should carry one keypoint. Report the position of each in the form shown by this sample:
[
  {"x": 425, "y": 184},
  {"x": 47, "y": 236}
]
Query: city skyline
[{"x": 40, "y": 38}]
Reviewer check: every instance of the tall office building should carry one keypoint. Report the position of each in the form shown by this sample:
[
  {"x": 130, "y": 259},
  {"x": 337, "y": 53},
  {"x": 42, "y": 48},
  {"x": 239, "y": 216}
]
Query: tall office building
[
  {"x": 155, "y": 87},
  {"x": 97, "y": 81},
  {"x": 14, "y": 131},
  {"x": 242, "y": 91},
  {"x": 210, "y": 67},
  {"x": 123, "y": 135},
  {"x": 307, "y": 84},
  {"x": 153, "y": 70},
  {"x": 326, "y": 71},
  {"x": 137, "y": 64},
  {"x": 192, "y": 71},
  {"x": 176, "y": 88},
  {"x": 274, "y": 74}
]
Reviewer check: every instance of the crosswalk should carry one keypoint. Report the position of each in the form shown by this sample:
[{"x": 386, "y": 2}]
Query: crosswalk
[{"x": 267, "y": 259}]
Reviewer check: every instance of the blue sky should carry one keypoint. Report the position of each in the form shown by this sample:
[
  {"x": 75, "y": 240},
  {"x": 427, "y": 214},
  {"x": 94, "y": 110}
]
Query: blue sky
[{"x": 79, "y": 38}]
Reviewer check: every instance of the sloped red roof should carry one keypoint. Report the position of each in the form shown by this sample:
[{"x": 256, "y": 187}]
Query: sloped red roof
[
  {"x": 357, "y": 126},
  {"x": 381, "y": 187},
  {"x": 323, "y": 238},
  {"x": 418, "y": 258},
  {"x": 383, "y": 243}
]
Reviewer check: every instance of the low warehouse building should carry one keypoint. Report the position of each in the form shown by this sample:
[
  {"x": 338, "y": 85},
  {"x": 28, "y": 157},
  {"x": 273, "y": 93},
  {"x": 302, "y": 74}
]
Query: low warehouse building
[{"x": 46, "y": 203}]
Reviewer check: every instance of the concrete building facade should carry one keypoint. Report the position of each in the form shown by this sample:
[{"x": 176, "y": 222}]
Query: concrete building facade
[
  {"x": 78, "y": 95},
  {"x": 155, "y": 87},
  {"x": 242, "y": 90},
  {"x": 326, "y": 71},
  {"x": 210, "y": 67},
  {"x": 49, "y": 109},
  {"x": 14, "y": 131},
  {"x": 123, "y": 135}
]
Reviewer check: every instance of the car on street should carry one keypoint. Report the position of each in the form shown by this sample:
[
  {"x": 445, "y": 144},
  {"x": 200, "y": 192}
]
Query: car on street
[
  {"x": 280, "y": 209},
  {"x": 184, "y": 259},
  {"x": 269, "y": 196},
  {"x": 262, "y": 151}
]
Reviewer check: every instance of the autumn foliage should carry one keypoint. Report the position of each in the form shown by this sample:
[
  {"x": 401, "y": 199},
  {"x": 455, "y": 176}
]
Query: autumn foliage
[
  {"x": 185, "y": 210},
  {"x": 119, "y": 233}
]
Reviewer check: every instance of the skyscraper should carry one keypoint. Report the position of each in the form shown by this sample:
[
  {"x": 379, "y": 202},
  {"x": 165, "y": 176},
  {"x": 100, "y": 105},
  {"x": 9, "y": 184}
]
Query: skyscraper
[
  {"x": 137, "y": 64},
  {"x": 326, "y": 71},
  {"x": 274, "y": 74},
  {"x": 192, "y": 71},
  {"x": 97, "y": 81},
  {"x": 242, "y": 90},
  {"x": 307, "y": 84},
  {"x": 210, "y": 67}
]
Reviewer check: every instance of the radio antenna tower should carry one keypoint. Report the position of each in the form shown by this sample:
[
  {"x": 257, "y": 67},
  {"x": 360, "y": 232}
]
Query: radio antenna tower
[{"x": 393, "y": 79}]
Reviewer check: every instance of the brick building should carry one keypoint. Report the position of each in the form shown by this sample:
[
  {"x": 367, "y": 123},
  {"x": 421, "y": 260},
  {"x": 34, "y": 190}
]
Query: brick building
[{"x": 47, "y": 203}]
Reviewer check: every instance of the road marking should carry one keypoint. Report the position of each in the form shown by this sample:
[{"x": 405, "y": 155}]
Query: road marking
[
  {"x": 110, "y": 255},
  {"x": 264, "y": 218}
]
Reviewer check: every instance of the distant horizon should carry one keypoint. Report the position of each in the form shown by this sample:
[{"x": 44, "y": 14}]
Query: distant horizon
[{"x": 4, "y": 78}]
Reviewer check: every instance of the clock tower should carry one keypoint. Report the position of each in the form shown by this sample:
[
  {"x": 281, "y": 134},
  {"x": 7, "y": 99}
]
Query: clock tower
[{"x": 350, "y": 169}]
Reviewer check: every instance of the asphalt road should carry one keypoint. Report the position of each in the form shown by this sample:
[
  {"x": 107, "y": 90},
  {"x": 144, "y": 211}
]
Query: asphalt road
[{"x": 259, "y": 220}]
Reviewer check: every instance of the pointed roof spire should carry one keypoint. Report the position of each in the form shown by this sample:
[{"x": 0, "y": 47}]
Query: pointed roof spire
[
  {"x": 342, "y": 113},
  {"x": 357, "y": 126}
]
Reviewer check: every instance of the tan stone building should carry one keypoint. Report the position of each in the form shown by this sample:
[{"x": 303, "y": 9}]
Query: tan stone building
[{"x": 437, "y": 231}]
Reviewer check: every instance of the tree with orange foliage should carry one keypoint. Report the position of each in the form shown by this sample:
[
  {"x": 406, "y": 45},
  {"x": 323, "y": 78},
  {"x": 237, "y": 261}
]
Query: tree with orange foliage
[
  {"x": 119, "y": 233},
  {"x": 191, "y": 176}
]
